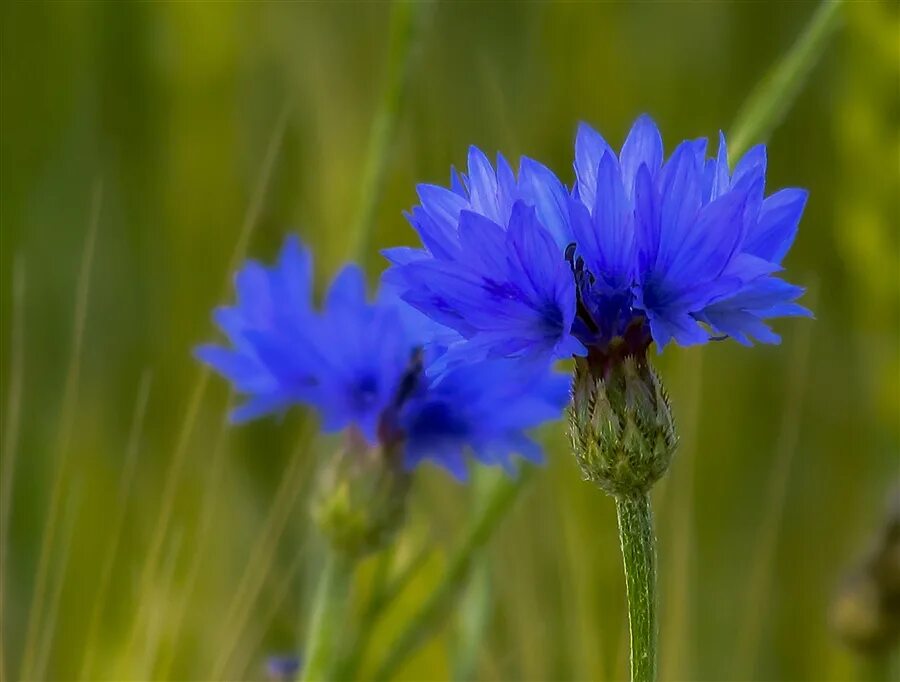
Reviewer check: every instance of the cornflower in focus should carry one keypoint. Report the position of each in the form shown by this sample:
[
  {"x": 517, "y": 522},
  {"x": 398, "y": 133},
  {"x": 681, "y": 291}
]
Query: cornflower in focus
[{"x": 642, "y": 250}]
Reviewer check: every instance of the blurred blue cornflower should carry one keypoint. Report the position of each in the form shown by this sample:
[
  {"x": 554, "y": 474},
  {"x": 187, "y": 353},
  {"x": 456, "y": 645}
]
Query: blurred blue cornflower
[
  {"x": 642, "y": 249},
  {"x": 374, "y": 368},
  {"x": 282, "y": 667}
]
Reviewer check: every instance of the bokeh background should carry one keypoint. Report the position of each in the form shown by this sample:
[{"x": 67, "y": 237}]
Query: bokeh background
[{"x": 187, "y": 554}]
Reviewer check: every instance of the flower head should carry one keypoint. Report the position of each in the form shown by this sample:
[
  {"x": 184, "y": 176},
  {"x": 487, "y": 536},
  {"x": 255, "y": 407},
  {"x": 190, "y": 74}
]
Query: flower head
[
  {"x": 642, "y": 249},
  {"x": 373, "y": 367}
]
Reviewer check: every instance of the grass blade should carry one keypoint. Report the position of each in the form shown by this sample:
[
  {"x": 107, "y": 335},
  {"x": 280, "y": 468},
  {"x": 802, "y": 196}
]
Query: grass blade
[
  {"x": 776, "y": 496},
  {"x": 60, "y": 460},
  {"x": 774, "y": 96},
  {"x": 11, "y": 432},
  {"x": 117, "y": 524},
  {"x": 498, "y": 501},
  {"x": 49, "y": 629},
  {"x": 262, "y": 556},
  {"x": 176, "y": 465},
  {"x": 406, "y": 19}
]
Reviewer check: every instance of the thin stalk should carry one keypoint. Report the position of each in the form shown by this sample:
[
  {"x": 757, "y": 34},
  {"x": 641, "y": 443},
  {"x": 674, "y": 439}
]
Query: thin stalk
[
  {"x": 11, "y": 432},
  {"x": 263, "y": 554},
  {"x": 242, "y": 667},
  {"x": 774, "y": 96},
  {"x": 49, "y": 630},
  {"x": 60, "y": 461},
  {"x": 406, "y": 17},
  {"x": 430, "y": 615},
  {"x": 760, "y": 571},
  {"x": 677, "y": 494},
  {"x": 98, "y": 603},
  {"x": 639, "y": 558},
  {"x": 384, "y": 592},
  {"x": 200, "y": 550},
  {"x": 329, "y": 611},
  {"x": 179, "y": 456}
]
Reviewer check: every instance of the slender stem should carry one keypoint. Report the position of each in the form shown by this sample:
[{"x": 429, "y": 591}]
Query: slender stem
[
  {"x": 421, "y": 625},
  {"x": 639, "y": 557},
  {"x": 328, "y": 615},
  {"x": 406, "y": 20},
  {"x": 773, "y": 97}
]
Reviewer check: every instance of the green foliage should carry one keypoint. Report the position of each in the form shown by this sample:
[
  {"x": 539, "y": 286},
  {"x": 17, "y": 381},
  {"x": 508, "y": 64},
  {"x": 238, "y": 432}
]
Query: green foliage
[{"x": 177, "y": 107}]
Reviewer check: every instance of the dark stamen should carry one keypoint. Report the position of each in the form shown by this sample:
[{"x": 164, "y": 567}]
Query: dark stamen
[
  {"x": 410, "y": 377},
  {"x": 577, "y": 265}
]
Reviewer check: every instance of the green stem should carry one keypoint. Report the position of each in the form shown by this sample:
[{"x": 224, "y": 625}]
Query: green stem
[
  {"x": 328, "y": 615},
  {"x": 639, "y": 556},
  {"x": 417, "y": 630},
  {"x": 406, "y": 19},
  {"x": 773, "y": 97}
]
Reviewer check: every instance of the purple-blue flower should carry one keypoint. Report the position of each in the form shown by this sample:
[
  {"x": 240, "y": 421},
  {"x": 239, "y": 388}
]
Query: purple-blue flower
[
  {"x": 374, "y": 367},
  {"x": 643, "y": 248}
]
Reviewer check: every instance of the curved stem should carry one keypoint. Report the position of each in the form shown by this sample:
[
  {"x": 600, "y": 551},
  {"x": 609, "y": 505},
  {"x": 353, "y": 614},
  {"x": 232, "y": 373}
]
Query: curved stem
[
  {"x": 327, "y": 617},
  {"x": 422, "y": 624},
  {"x": 639, "y": 557}
]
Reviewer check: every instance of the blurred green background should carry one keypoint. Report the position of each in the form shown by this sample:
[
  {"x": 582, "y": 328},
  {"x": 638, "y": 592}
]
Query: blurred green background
[{"x": 787, "y": 455}]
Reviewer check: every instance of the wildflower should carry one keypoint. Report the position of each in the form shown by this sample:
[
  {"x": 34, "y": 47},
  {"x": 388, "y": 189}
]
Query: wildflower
[
  {"x": 373, "y": 369},
  {"x": 282, "y": 667},
  {"x": 641, "y": 250}
]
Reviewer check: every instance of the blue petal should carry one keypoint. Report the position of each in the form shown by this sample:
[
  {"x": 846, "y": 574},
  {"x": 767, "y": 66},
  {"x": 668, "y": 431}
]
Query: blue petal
[
  {"x": 442, "y": 205},
  {"x": 678, "y": 326},
  {"x": 244, "y": 371},
  {"x": 753, "y": 163},
  {"x": 484, "y": 242},
  {"x": 643, "y": 145},
  {"x": 589, "y": 149},
  {"x": 647, "y": 220},
  {"x": 613, "y": 223},
  {"x": 540, "y": 186},
  {"x": 347, "y": 291},
  {"x": 438, "y": 237},
  {"x": 483, "y": 189},
  {"x": 706, "y": 248},
  {"x": 401, "y": 255},
  {"x": 679, "y": 188},
  {"x": 774, "y": 232}
]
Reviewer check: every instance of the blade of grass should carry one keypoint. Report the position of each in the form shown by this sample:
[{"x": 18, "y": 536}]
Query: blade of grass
[
  {"x": 475, "y": 598},
  {"x": 677, "y": 623},
  {"x": 176, "y": 464},
  {"x": 154, "y": 630},
  {"x": 385, "y": 591},
  {"x": 117, "y": 524},
  {"x": 262, "y": 556},
  {"x": 60, "y": 458},
  {"x": 49, "y": 630},
  {"x": 474, "y": 618},
  {"x": 207, "y": 514},
  {"x": 11, "y": 433},
  {"x": 242, "y": 665},
  {"x": 774, "y": 96},
  {"x": 482, "y": 525},
  {"x": 776, "y": 495},
  {"x": 406, "y": 20}
]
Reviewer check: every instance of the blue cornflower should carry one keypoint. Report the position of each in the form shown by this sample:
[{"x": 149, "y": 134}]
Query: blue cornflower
[
  {"x": 642, "y": 249},
  {"x": 373, "y": 367},
  {"x": 282, "y": 667}
]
